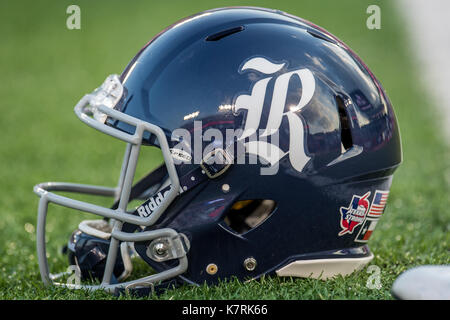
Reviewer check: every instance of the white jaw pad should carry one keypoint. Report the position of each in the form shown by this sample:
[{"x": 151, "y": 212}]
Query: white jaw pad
[
  {"x": 323, "y": 268},
  {"x": 97, "y": 228}
]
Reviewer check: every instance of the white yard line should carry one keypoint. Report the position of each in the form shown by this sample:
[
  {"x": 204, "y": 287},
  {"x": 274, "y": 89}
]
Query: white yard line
[{"x": 428, "y": 23}]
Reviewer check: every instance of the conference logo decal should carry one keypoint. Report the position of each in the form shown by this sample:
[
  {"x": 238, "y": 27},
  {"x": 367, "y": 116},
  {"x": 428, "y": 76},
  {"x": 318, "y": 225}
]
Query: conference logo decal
[{"x": 360, "y": 212}]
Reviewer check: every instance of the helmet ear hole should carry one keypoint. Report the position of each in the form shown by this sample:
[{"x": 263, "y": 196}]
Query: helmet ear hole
[
  {"x": 346, "y": 134},
  {"x": 246, "y": 215}
]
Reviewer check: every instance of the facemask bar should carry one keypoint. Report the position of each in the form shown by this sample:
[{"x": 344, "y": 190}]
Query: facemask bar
[{"x": 89, "y": 105}]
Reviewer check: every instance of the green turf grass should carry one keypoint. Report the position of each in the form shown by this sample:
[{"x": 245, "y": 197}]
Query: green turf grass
[{"x": 46, "y": 68}]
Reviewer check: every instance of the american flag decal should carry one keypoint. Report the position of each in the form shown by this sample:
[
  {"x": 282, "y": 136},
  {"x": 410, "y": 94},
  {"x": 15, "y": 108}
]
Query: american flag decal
[{"x": 378, "y": 203}]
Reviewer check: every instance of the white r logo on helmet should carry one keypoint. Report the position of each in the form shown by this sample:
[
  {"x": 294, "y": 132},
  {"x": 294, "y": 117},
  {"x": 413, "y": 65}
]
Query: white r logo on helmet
[{"x": 253, "y": 103}]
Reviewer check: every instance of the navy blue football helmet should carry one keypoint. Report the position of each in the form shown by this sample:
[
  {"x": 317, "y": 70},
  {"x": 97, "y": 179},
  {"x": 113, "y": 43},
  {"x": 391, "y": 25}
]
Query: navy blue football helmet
[{"x": 279, "y": 148}]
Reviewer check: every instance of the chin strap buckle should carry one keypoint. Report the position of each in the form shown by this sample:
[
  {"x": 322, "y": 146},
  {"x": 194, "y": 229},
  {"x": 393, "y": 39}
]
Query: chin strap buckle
[{"x": 216, "y": 163}]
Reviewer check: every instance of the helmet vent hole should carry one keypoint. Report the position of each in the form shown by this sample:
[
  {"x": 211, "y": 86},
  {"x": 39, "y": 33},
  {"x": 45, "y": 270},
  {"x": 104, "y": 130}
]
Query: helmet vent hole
[
  {"x": 346, "y": 134},
  {"x": 222, "y": 34},
  {"x": 246, "y": 215},
  {"x": 320, "y": 36}
]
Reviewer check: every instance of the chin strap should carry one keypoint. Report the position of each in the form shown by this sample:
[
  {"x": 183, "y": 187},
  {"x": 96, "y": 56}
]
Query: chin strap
[
  {"x": 212, "y": 166},
  {"x": 142, "y": 186}
]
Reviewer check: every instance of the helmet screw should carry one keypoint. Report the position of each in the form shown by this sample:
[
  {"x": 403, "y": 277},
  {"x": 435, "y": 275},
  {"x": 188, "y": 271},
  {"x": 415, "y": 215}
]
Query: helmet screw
[
  {"x": 250, "y": 264},
  {"x": 225, "y": 188},
  {"x": 160, "y": 248},
  {"x": 211, "y": 268}
]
